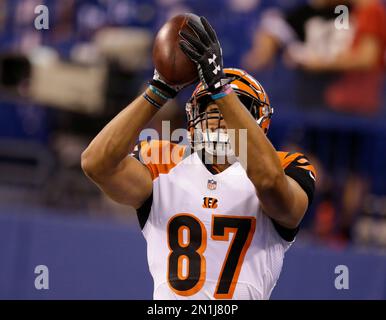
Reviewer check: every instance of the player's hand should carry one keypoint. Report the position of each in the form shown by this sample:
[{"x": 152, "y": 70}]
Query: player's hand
[
  {"x": 204, "y": 49},
  {"x": 170, "y": 91}
]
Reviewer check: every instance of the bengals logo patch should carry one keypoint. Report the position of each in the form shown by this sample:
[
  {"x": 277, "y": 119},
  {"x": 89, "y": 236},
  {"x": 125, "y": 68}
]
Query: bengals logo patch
[{"x": 210, "y": 203}]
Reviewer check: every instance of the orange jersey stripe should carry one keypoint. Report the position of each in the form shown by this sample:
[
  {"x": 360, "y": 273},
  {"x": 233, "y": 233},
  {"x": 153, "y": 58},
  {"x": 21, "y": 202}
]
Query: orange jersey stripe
[{"x": 161, "y": 156}]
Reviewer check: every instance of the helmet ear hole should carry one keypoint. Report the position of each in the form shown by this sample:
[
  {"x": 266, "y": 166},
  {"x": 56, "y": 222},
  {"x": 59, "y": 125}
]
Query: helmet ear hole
[
  {"x": 203, "y": 102},
  {"x": 249, "y": 104}
]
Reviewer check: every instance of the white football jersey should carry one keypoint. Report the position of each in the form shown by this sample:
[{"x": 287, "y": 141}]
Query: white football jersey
[{"x": 207, "y": 236}]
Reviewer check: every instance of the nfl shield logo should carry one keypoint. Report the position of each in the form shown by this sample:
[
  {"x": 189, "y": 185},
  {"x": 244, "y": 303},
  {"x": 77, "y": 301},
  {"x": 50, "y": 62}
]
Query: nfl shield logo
[{"x": 212, "y": 185}]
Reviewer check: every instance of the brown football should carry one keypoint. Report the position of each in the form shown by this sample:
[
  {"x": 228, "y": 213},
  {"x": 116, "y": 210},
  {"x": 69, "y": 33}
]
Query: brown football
[{"x": 169, "y": 60}]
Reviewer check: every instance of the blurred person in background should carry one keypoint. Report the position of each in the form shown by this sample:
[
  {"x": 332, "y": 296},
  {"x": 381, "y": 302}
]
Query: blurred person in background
[
  {"x": 312, "y": 43},
  {"x": 309, "y": 27},
  {"x": 362, "y": 62},
  {"x": 279, "y": 31},
  {"x": 337, "y": 207}
]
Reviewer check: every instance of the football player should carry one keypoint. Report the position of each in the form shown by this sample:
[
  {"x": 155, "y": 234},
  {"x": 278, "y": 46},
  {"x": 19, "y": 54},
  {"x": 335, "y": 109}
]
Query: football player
[{"x": 213, "y": 230}]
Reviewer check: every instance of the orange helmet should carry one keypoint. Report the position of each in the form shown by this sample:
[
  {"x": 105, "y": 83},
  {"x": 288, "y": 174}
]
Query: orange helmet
[{"x": 250, "y": 92}]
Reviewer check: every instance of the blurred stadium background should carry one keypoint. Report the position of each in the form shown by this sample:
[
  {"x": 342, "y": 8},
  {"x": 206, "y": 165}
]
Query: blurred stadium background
[{"x": 59, "y": 87}]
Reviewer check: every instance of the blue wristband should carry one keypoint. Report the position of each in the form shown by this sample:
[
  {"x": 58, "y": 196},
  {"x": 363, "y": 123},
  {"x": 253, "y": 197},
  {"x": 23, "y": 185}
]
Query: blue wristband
[
  {"x": 152, "y": 101},
  {"x": 158, "y": 93},
  {"x": 226, "y": 90}
]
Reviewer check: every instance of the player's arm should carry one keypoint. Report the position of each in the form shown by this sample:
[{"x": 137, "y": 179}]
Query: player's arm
[
  {"x": 107, "y": 160},
  {"x": 281, "y": 197}
]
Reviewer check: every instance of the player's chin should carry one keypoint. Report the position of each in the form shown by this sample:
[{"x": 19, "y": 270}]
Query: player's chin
[{"x": 215, "y": 128}]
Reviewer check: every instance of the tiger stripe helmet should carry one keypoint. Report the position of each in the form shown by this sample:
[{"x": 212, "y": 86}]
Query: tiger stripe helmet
[{"x": 250, "y": 92}]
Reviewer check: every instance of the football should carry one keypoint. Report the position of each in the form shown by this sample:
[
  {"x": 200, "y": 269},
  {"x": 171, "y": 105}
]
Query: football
[{"x": 169, "y": 60}]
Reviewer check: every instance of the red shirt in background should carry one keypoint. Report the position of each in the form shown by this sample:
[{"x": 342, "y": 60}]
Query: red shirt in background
[
  {"x": 361, "y": 91},
  {"x": 371, "y": 21}
]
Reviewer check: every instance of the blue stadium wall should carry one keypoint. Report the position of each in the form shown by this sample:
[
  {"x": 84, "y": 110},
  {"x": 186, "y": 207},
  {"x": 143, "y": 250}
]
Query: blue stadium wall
[{"x": 103, "y": 260}]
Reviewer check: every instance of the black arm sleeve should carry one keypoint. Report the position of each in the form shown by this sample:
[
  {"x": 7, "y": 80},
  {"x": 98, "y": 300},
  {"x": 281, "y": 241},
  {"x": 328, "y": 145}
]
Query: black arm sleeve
[{"x": 144, "y": 211}]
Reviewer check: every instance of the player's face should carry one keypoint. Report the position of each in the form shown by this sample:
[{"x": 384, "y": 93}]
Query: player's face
[{"x": 213, "y": 122}]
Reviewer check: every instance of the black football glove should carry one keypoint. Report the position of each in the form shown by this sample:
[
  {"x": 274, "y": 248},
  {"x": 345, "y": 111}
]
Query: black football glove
[{"x": 203, "y": 48}]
